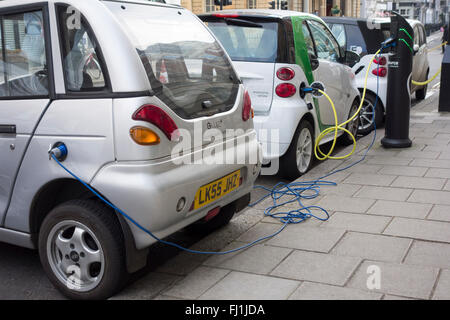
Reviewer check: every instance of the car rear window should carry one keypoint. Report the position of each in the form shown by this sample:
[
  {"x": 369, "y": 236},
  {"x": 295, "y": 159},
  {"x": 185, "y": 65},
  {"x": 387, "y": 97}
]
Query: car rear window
[
  {"x": 252, "y": 41},
  {"x": 374, "y": 34},
  {"x": 187, "y": 68}
]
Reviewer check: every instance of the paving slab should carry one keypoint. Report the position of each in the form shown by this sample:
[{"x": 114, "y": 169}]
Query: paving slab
[
  {"x": 371, "y": 179},
  {"x": 433, "y": 254},
  {"x": 438, "y": 173},
  {"x": 357, "y": 222},
  {"x": 400, "y": 209},
  {"x": 384, "y": 193},
  {"x": 442, "y": 291},
  {"x": 317, "y": 267},
  {"x": 372, "y": 247},
  {"x": 246, "y": 286},
  {"x": 348, "y": 204},
  {"x": 430, "y": 196},
  {"x": 397, "y": 279},
  {"x": 419, "y": 183},
  {"x": 403, "y": 171},
  {"x": 419, "y": 229},
  {"x": 318, "y": 291},
  {"x": 440, "y": 212}
]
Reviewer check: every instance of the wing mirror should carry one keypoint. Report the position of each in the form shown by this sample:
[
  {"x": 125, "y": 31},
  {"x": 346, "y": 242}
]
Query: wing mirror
[
  {"x": 416, "y": 48},
  {"x": 314, "y": 61},
  {"x": 351, "y": 58}
]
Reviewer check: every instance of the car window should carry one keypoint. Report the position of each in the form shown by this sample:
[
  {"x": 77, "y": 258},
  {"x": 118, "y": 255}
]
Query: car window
[
  {"x": 257, "y": 43},
  {"x": 83, "y": 68},
  {"x": 339, "y": 33},
  {"x": 308, "y": 39},
  {"x": 326, "y": 46},
  {"x": 416, "y": 36},
  {"x": 423, "y": 37},
  {"x": 23, "y": 58}
]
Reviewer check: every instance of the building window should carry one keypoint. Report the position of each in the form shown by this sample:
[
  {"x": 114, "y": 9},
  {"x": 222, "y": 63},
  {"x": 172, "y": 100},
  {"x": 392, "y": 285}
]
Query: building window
[
  {"x": 251, "y": 4},
  {"x": 210, "y": 6}
]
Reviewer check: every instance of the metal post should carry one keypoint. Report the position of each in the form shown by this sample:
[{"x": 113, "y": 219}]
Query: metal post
[{"x": 444, "y": 91}]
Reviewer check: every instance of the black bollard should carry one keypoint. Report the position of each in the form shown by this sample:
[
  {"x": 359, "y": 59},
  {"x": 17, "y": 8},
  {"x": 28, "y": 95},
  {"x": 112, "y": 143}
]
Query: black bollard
[
  {"x": 398, "y": 100},
  {"x": 444, "y": 91}
]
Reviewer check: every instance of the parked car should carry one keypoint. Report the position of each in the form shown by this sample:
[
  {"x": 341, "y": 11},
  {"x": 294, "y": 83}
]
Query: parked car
[
  {"x": 117, "y": 109},
  {"x": 365, "y": 37},
  {"x": 277, "y": 53}
]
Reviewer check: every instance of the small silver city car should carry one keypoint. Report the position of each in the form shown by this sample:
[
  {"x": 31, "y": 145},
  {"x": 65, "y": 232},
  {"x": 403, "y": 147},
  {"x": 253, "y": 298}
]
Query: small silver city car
[{"x": 152, "y": 115}]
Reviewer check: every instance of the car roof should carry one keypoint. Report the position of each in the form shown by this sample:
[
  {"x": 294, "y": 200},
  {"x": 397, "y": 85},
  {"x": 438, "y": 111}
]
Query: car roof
[
  {"x": 349, "y": 20},
  {"x": 263, "y": 13},
  {"x": 13, "y": 3}
]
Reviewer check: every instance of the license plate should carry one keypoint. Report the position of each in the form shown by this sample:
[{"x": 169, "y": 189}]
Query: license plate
[{"x": 217, "y": 189}]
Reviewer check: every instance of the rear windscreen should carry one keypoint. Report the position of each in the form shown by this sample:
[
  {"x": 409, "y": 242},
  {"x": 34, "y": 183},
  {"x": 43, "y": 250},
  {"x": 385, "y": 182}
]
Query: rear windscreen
[
  {"x": 374, "y": 34},
  {"x": 187, "y": 68},
  {"x": 246, "y": 40}
]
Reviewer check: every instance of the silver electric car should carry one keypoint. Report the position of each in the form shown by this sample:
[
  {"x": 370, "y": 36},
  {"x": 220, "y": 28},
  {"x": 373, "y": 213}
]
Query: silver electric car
[{"x": 133, "y": 91}]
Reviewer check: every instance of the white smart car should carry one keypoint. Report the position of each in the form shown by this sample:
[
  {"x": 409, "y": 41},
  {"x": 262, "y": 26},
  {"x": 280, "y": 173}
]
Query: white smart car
[{"x": 277, "y": 53}]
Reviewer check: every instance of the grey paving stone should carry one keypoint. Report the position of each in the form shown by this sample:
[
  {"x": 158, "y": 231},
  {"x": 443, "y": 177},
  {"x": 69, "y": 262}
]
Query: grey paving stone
[
  {"x": 430, "y": 196},
  {"x": 340, "y": 203},
  {"x": 363, "y": 168},
  {"x": 372, "y": 179},
  {"x": 430, "y": 163},
  {"x": 260, "y": 259},
  {"x": 419, "y": 183},
  {"x": 317, "y": 267},
  {"x": 372, "y": 247},
  {"x": 260, "y": 230},
  {"x": 431, "y": 254},
  {"x": 342, "y": 189},
  {"x": 400, "y": 209},
  {"x": 438, "y": 173},
  {"x": 357, "y": 222},
  {"x": 147, "y": 287},
  {"x": 414, "y": 154},
  {"x": 403, "y": 171},
  {"x": 384, "y": 193},
  {"x": 444, "y": 156},
  {"x": 442, "y": 291},
  {"x": 318, "y": 291},
  {"x": 397, "y": 279},
  {"x": 391, "y": 297},
  {"x": 431, "y": 141},
  {"x": 419, "y": 229},
  {"x": 447, "y": 186},
  {"x": 196, "y": 283},
  {"x": 440, "y": 212},
  {"x": 389, "y": 161},
  {"x": 307, "y": 238},
  {"x": 245, "y": 286}
]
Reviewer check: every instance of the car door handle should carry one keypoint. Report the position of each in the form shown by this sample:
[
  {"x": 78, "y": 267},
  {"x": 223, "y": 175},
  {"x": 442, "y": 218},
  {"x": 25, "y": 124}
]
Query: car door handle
[{"x": 8, "y": 128}]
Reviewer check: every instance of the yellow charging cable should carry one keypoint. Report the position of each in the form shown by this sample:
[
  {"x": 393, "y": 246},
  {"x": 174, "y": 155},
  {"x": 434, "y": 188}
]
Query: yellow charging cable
[
  {"x": 437, "y": 47},
  {"x": 340, "y": 127},
  {"x": 417, "y": 83}
]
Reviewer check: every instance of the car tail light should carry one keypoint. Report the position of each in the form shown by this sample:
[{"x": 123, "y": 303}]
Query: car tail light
[
  {"x": 381, "y": 72},
  {"x": 144, "y": 136},
  {"x": 225, "y": 15},
  {"x": 159, "y": 118},
  {"x": 380, "y": 61},
  {"x": 285, "y": 90},
  {"x": 285, "y": 74},
  {"x": 247, "y": 109},
  {"x": 212, "y": 213}
]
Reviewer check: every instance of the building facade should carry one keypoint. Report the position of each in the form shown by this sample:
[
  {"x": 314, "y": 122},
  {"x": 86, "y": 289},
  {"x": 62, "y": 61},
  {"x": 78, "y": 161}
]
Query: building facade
[{"x": 348, "y": 8}]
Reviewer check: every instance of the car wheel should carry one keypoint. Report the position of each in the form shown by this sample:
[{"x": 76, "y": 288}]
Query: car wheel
[
  {"x": 81, "y": 248},
  {"x": 421, "y": 93},
  {"x": 352, "y": 126},
  {"x": 224, "y": 217},
  {"x": 366, "y": 119},
  {"x": 300, "y": 155}
]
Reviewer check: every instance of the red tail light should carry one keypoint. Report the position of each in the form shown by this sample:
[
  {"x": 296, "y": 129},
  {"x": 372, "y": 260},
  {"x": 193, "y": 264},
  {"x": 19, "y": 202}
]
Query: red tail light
[
  {"x": 247, "y": 109},
  {"x": 224, "y": 15},
  {"x": 159, "y": 118},
  {"x": 285, "y": 74},
  {"x": 285, "y": 90},
  {"x": 381, "y": 72},
  {"x": 381, "y": 61}
]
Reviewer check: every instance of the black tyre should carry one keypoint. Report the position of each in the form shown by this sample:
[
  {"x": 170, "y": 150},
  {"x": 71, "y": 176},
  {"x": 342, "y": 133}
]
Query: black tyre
[
  {"x": 352, "y": 126},
  {"x": 366, "y": 123},
  {"x": 300, "y": 155},
  {"x": 422, "y": 92},
  {"x": 81, "y": 248},
  {"x": 220, "y": 220}
]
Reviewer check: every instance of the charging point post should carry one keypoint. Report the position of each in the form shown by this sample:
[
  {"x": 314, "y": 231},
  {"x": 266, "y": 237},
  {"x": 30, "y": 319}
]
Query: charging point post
[
  {"x": 444, "y": 91},
  {"x": 398, "y": 100}
]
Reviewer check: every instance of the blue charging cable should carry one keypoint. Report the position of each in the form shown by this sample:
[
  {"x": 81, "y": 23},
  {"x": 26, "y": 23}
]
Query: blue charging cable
[{"x": 295, "y": 190}]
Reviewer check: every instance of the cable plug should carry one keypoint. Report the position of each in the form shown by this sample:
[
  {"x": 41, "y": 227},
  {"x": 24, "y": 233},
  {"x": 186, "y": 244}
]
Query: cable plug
[{"x": 59, "y": 150}]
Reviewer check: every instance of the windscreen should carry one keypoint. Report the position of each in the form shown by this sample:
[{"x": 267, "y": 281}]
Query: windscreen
[
  {"x": 187, "y": 68},
  {"x": 247, "y": 40}
]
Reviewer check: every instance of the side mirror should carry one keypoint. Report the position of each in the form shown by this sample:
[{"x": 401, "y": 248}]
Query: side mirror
[
  {"x": 314, "y": 61},
  {"x": 416, "y": 48},
  {"x": 351, "y": 58}
]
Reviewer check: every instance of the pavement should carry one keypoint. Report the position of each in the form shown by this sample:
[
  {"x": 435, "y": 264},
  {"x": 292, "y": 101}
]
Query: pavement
[{"x": 388, "y": 236}]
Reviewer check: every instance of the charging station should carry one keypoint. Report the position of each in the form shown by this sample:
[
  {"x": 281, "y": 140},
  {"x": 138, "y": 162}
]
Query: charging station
[
  {"x": 444, "y": 94},
  {"x": 398, "y": 100}
]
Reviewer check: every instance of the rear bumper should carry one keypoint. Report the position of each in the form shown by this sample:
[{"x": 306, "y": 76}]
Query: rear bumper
[{"x": 149, "y": 191}]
